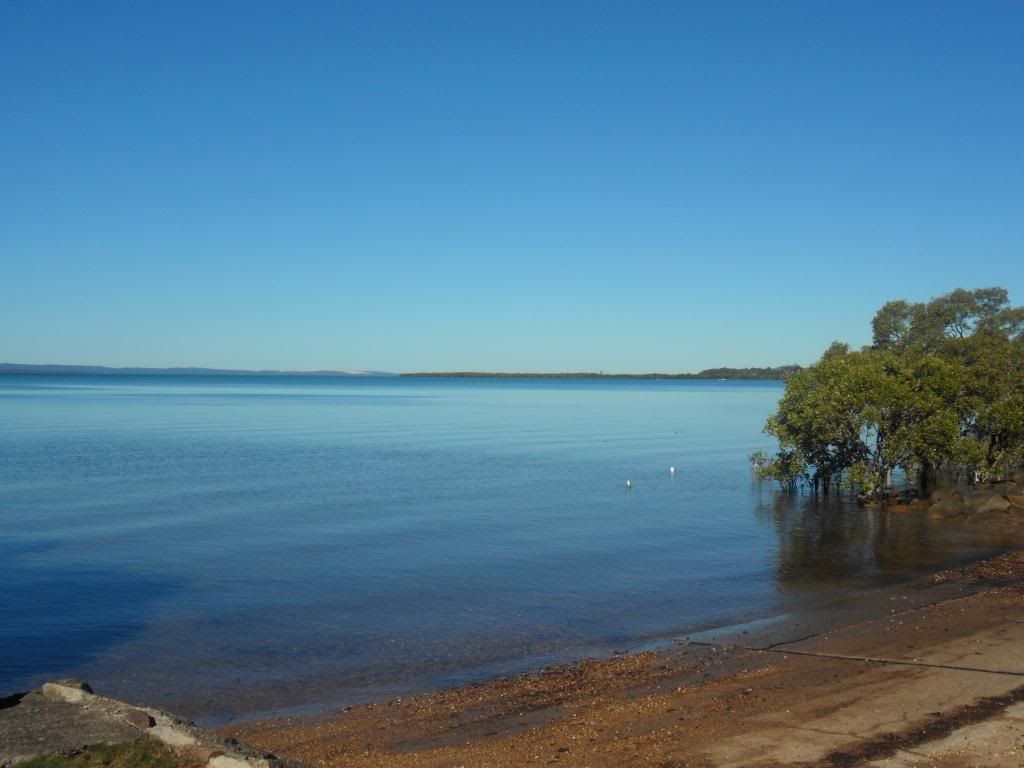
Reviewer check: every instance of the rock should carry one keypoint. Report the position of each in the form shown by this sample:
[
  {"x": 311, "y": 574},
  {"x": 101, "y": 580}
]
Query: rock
[
  {"x": 1017, "y": 499},
  {"x": 945, "y": 494},
  {"x": 203, "y": 754},
  {"x": 995, "y": 504},
  {"x": 71, "y": 682},
  {"x": 946, "y": 508},
  {"x": 1004, "y": 489},
  {"x": 69, "y": 690},
  {"x": 173, "y": 737},
  {"x": 226, "y": 761},
  {"x": 139, "y": 718},
  {"x": 986, "y": 501}
]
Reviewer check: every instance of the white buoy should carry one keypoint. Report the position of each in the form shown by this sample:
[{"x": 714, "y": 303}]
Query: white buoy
[
  {"x": 671, "y": 470},
  {"x": 629, "y": 484}
]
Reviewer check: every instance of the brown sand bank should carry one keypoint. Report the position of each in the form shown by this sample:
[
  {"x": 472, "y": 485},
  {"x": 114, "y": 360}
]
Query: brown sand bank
[{"x": 935, "y": 677}]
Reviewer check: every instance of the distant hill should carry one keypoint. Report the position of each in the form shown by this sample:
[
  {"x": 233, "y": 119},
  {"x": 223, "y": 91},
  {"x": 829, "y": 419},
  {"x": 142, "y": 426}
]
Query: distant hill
[
  {"x": 101, "y": 370},
  {"x": 767, "y": 374}
]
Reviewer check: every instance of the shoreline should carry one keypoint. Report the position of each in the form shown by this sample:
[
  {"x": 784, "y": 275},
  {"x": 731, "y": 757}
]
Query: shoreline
[
  {"x": 626, "y": 699},
  {"x": 828, "y": 609},
  {"x": 718, "y": 374},
  {"x": 816, "y": 606}
]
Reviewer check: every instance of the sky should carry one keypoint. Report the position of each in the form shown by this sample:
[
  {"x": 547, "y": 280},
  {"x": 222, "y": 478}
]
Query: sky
[{"x": 528, "y": 186}]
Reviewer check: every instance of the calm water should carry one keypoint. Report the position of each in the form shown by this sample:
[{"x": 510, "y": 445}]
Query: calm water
[{"x": 228, "y": 546}]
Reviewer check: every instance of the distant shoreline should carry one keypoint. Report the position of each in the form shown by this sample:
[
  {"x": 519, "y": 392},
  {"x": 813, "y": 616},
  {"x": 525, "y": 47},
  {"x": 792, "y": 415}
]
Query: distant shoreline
[
  {"x": 711, "y": 374},
  {"x": 102, "y": 370}
]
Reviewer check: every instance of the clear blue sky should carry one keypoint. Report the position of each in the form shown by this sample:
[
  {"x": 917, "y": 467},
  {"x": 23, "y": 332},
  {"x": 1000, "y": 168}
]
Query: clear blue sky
[{"x": 498, "y": 186}]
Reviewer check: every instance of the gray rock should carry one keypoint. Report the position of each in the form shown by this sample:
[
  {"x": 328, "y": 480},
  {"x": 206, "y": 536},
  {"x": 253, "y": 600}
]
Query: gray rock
[
  {"x": 975, "y": 500},
  {"x": 994, "y": 504},
  {"x": 173, "y": 737},
  {"x": 32, "y": 724},
  {"x": 228, "y": 761},
  {"x": 204, "y": 754},
  {"x": 71, "y": 682},
  {"x": 139, "y": 719},
  {"x": 1005, "y": 489},
  {"x": 65, "y": 716},
  {"x": 945, "y": 494},
  {"x": 947, "y": 508},
  {"x": 71, "y": 691}
]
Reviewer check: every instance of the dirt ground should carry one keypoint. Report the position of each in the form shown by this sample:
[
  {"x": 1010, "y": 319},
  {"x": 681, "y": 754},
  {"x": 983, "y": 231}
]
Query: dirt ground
[{"x": 936, "y": 684}]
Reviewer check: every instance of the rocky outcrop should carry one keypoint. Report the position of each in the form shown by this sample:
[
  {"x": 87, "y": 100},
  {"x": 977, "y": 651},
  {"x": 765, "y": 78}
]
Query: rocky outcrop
[
  {"x": 997, "y": 497},
  {"x": 67, "y": 714},
  {"x": 946, "y": 502},
  {"x": 986, "y": 501},
  {"x": 946, "y": 508}
]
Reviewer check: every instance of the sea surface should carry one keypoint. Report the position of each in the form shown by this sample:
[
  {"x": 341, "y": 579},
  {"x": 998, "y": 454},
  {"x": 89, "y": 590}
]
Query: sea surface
[{"x": 227, "y": 547}]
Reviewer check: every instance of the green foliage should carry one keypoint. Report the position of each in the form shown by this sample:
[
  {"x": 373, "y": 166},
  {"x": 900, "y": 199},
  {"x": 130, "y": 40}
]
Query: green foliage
[
  {"x": 144, "y": 753},
  {"x": 958, "y": 315},
  {"x": 787, "y": 467},
  {"x": 941, "y": 388}
]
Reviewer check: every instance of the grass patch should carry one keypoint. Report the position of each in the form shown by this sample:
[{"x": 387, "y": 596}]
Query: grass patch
[{"x": 144, "y": 753}]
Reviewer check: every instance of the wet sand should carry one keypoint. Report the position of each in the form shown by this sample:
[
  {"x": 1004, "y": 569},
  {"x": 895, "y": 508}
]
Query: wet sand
[{"x": 926, "y": 675}]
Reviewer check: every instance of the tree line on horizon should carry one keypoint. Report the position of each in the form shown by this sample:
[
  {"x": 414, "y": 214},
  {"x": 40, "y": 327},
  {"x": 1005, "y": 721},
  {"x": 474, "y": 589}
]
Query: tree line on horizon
[
  {"x": 777, "y": 373},
  {"x": 940, "y": 390}
]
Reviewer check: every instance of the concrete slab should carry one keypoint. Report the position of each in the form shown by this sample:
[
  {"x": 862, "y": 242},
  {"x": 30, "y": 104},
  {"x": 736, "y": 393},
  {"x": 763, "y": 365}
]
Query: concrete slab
[{"x": 33, "y": 724}]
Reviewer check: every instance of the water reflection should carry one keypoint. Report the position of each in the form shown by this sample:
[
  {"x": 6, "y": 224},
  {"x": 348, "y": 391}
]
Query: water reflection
[{"x": 830, "y": 542}]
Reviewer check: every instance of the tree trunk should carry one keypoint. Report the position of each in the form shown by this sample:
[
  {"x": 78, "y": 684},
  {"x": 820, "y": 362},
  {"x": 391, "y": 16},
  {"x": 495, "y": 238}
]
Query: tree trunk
[{"x": 925, "y": 478}]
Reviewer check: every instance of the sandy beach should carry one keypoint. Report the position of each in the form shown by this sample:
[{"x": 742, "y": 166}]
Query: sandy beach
[{"x": 927, "y": 675}]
